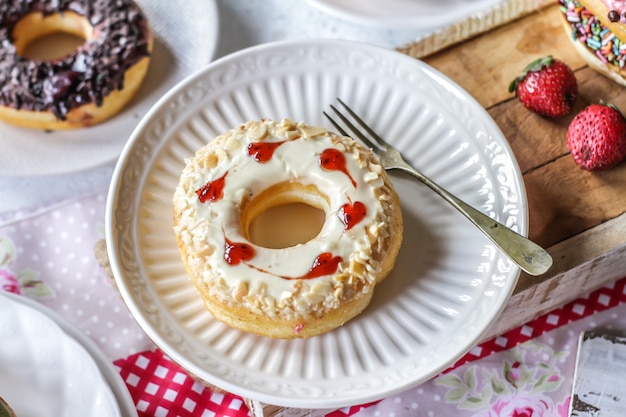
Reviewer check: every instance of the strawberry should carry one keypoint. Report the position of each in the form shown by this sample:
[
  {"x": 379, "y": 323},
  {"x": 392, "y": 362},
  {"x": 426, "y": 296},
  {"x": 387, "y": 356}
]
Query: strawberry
[
  {"x": 596, "y": 137},
  {"x": 546, "y": 86}
]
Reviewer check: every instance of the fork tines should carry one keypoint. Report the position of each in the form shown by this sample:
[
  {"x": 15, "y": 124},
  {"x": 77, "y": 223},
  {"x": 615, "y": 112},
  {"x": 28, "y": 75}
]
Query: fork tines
[{"x": 375, "y": 142}]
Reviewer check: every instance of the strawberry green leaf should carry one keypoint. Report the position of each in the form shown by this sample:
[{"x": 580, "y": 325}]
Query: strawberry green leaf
[
  {"x": 534, "y": 66},
  {"x": 537, "y": 64}
]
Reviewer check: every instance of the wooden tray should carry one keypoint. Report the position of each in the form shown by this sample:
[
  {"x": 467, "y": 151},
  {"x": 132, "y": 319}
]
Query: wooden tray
[{"x": 577, "y": 215}]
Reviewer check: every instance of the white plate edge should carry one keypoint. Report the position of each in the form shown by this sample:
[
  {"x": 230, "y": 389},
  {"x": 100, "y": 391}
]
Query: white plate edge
[{"x": 107, "y": 370}]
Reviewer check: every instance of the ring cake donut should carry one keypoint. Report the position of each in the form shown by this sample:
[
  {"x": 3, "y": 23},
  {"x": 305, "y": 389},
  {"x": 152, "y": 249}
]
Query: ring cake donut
[
  {"x": 85, "y": 87},
  {"x": 598, "y": 31},
  {"x": 302, "y": 290}
]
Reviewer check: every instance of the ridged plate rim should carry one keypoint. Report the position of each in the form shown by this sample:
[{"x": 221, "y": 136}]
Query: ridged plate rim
[{"x": 398, "y": 94}]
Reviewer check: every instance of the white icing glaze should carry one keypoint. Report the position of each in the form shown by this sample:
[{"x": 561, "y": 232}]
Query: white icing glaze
[{"x": 203, "y": 226}]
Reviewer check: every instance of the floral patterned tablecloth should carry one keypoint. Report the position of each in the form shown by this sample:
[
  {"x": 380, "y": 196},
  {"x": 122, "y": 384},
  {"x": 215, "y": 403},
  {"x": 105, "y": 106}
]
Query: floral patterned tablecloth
[{"x": 51, "y": 257}]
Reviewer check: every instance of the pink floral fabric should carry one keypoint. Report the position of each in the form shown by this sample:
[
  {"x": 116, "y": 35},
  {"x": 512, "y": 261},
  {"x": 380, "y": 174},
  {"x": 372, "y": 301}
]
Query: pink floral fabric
[
  {"x": 526, "y": 372},
  {"x": 26, "y": 281},
  {"x": 50, "y": 257}
]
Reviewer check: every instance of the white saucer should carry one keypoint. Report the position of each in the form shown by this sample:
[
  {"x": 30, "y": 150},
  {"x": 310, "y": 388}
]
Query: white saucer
[{"x": 47, "y": 367}]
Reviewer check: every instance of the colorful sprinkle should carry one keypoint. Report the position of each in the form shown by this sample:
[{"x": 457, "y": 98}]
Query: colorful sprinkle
[
  {"x": 591, "y": 32},
  {"x": 593, "y": 43}
]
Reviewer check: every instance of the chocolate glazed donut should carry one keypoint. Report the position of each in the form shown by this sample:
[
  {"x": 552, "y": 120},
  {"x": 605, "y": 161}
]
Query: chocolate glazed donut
[{"x": 85, "y": 87}]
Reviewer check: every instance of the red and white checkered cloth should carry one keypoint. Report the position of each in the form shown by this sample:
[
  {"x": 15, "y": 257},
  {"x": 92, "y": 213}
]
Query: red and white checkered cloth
[{"x": 160, "y": 388}]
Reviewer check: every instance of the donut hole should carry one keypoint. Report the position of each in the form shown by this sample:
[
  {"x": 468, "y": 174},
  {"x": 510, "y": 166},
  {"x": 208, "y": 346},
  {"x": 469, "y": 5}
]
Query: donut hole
[
  {"x": 285, "y": 215},
  {"x": 47, "y": 38}
]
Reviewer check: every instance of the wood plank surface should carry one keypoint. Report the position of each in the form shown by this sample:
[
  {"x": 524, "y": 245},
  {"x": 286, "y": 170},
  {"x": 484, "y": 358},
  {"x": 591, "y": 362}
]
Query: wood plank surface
[{"x": 486, "y": 64}]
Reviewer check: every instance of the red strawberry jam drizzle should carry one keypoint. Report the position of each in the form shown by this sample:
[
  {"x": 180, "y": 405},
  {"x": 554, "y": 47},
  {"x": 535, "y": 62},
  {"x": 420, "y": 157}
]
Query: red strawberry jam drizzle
[
  {"x": 351, "y": 214},
  {"x": 234, "y": 253},
  {"x": 262, "y": 151},
  {"x": 324, "y": 264},
  {"x": 212, "y": 190},
  {"x": 333, "y": 160}
]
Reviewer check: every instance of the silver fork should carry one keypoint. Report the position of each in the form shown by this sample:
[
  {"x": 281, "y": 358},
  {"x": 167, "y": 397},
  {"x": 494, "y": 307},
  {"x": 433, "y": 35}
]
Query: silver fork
[{"x": 528, "y": 255}]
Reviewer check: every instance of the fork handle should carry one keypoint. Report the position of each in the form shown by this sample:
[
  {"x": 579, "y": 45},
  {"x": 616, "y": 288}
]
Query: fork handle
[{"x": 529, "y": 256}]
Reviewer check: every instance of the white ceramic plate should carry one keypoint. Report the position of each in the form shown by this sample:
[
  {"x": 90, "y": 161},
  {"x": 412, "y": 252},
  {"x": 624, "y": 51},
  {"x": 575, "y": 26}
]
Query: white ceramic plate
[
  {"x": 186, "y": 35},
  {"x": 108, "y": 371},
  {"x": 449, "y": 282},
  {"x": 413, "y": 14},
  {"x": 46, "y": 371}
]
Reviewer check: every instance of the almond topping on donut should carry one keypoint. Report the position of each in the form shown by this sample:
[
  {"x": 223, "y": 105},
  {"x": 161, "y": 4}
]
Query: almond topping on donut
[
  {"x": 208, "y": 162},
  {"x": 240, "y": 291},
  {"x": 257, "y": 131},
  {"x": 205, "y": 250},
  {"x": 311, "y": 131},
  {"x": 321, "y": 288},
  {"x": 232, "y": 144},
  {"x": 314, "y": 298}
]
